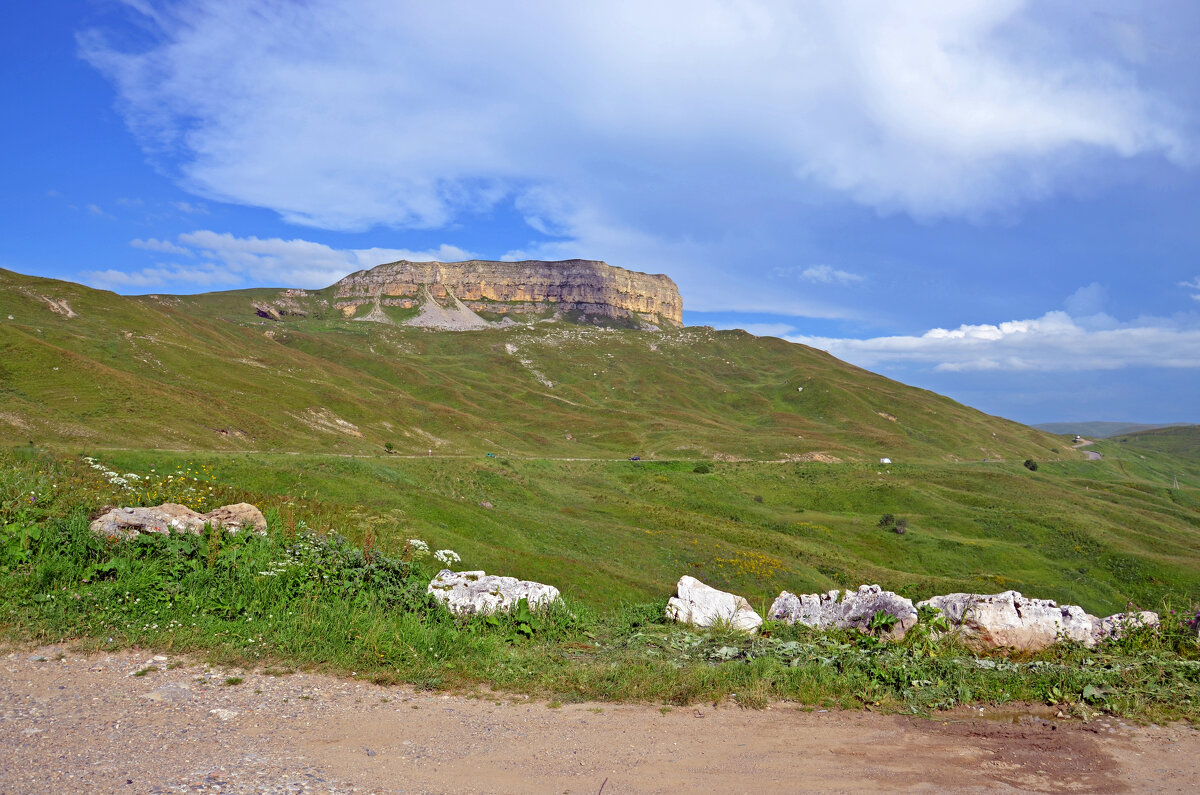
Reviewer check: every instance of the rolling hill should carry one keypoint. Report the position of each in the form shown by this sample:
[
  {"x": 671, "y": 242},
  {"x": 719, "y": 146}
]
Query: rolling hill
[
  {"x": 1097, "y": 430},
  {"x": 87, "y": 368}
]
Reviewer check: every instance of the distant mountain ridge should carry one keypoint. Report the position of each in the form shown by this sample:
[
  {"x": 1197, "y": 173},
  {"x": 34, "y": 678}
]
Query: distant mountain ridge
[{"x": 1101, "y": 430}]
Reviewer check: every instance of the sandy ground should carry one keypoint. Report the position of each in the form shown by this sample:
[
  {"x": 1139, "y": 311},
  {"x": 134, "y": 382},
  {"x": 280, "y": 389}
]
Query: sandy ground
[{"x": 74, "y": 723}]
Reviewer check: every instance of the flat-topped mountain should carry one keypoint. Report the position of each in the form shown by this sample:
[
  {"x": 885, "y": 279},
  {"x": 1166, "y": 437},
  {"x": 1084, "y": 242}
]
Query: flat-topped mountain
[{"x": 585, "y": 289}]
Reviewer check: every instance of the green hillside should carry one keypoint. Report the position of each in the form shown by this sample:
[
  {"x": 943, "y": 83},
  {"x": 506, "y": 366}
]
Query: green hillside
[
  {"x": 204, "y": 372},
  {"x": 760, "y": 461},
  {"x": 1182, "y": 441}
]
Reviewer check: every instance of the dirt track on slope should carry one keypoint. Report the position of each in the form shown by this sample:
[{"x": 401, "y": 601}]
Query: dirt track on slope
[{"x": 73, "y": 723}]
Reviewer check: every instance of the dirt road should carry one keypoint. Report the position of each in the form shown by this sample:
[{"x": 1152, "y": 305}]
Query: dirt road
[{"x": 72, "y": 723}]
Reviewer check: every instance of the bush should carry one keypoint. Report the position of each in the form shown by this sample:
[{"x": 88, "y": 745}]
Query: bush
[
  {"x": 1031, "y": 465},
  {"x": 887, "y": 520},
  {"x": 702, "y": 469}
]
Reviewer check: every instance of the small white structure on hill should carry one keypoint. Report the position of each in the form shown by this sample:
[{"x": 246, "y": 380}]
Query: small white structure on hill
[{"x": 885, "y": 460}]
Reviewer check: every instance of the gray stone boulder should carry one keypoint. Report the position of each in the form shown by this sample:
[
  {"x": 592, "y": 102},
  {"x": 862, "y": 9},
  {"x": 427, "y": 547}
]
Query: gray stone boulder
[
  {"x": 126, "y": 523},
  {"x": 238, "y": 516},
  {"x": 476, "y": 592},
  {"x": 846, "y": 609},
  {"x": 704, "y": 606},
  {"x": 1010, "y": 620}
]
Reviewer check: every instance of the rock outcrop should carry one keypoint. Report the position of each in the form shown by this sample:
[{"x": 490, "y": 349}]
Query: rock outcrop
[
  {"x": 588, "y": 287},
  {"x": 1010, "y": 620},
  {"x": 704, "y": 606},
  {"x": 126, "y": 523},
  {"x": 846, "y": 610},
  {"x": 476, "y": 592}
]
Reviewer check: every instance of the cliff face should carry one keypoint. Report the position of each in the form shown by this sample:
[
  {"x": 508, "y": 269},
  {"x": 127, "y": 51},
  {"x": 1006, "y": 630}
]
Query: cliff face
[{"x": 588, "y": 286}]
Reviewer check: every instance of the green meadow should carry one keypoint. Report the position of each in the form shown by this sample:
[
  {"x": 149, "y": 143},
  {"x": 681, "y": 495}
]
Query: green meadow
[{"x": 609, "y": 532}]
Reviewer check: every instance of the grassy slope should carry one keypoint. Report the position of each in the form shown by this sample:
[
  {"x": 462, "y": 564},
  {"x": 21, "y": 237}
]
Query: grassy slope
[
  {"x": 202, "y": 373},
  {"x": 192, "y": 373}
]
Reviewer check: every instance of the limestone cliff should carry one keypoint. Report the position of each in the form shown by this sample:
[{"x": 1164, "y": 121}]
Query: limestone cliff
[{"x": 588, "y": 287}]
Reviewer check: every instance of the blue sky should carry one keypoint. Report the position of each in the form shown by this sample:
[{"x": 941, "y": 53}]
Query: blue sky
[{"x": 996, "y": 200}]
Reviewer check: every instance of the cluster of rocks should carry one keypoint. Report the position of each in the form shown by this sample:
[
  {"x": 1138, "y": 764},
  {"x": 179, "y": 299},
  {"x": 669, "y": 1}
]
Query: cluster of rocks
[
  {"x": 1003, "y": 620},
  {"x": 1006, "y": 620},
  {"x": 126, "y": 523}
]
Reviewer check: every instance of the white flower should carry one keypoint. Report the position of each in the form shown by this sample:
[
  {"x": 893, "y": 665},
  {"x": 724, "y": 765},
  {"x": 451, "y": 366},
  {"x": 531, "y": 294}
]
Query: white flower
[
  {"x": 447, "y": 557},
  {"x": 419, "y": 548}
]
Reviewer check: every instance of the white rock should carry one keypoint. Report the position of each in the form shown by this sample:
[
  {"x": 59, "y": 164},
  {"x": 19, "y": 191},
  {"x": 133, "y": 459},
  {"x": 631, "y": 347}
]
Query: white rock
[
  {"x": 471, "y": 592},
  {"x": 1011, "y": 620},
  {"x": 703, "y": 606},
  {"x": 846, "y": 610}
]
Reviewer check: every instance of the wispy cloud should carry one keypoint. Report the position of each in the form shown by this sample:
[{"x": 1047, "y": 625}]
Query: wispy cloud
[
  {"x": 1194, "y": 284},
  {"x": 206, "y": 275},
  {"x": 164, "y": 246},
  {"x": 231, "y": 261},
  {"x": 821, "y": 274},
  {"x": 429, "y": 111}
]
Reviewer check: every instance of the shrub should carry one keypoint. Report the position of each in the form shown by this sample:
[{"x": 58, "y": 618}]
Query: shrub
[
  {"x": 887, "y": 520},
  {"x": 1031, "y": 465},
  {"x": 702, "y": 469}
]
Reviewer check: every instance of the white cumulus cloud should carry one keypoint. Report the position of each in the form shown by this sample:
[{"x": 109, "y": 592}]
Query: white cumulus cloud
[
  {"x": 1053, "y": 342},
  {"x": 232, "y": 261}
]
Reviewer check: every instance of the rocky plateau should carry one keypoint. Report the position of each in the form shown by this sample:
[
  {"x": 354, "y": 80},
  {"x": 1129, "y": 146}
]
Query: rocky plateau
[{"x": 448, "y": 294}]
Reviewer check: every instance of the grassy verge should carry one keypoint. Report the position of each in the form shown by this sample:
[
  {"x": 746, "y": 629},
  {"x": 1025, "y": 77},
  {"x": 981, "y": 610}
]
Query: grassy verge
[
  {"x": 299, "y": 597},
  {"x": 609, "y": 532}
]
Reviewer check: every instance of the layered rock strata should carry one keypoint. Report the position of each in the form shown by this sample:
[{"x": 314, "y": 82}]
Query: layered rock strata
[{"x": 585, "y": 286}]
